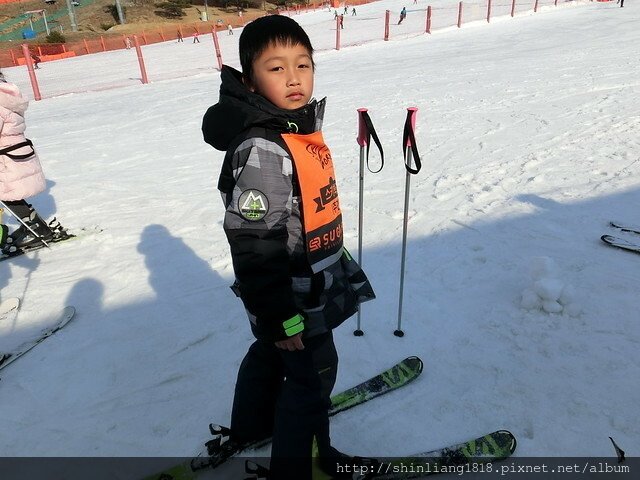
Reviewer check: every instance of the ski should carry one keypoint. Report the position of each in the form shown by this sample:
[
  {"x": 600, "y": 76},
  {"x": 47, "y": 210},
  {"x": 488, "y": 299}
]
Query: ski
[
  {"x": 7, "y": 358},
  {"x": 58, "y": 236},
  {"x": 9, "y": 305},
  {"x": 621, "y": 243},
  {"x": 625, "y": 228},
  {"x": 471, "y": 456},
  {"x": 468, "y": 457},
  {"x": 214, "y": 454}
]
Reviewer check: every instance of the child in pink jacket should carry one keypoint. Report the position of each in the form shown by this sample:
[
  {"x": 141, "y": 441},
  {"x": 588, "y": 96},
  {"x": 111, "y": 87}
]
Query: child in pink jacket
[{"x": 20, "y": 171}]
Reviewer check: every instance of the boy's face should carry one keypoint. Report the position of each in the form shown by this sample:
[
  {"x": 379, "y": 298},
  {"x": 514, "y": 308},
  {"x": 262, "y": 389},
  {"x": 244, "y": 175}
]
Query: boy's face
[{"x": 283, "y": 74}]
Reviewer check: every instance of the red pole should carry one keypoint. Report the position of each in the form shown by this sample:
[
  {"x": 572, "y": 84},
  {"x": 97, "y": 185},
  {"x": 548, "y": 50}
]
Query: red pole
[
  {"x": 162, "y": 35},
  {"x": 488, "y": 11},
  {"x": 64, "y": 48},
  {"x": 104, "y": 47},
  {"x": 86, "y": 45},
  {"x": 32, "y": 74},
  {"x": 216, "y": 44},
  {"x": 460, "y": 15},
  {"x": 428, "y": 30},
  {"x": 144, "y": 37},
  {"x": 535, "y": 7},
  {"x": 13, "y": 58},
  {"x": 143, "y": 70},
  {"x": 387, "y": 14},
  {"x": 338, "y": 20},
  {"x": 513, "y": 7}
]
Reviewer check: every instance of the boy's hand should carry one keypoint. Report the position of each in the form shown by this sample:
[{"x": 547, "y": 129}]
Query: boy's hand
[
  {"x": 292, "y": 344},
  {"x": 293, "y": 329}
]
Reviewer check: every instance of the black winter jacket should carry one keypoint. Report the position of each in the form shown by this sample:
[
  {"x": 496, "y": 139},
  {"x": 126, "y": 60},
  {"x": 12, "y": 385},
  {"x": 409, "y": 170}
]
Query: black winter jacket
[{"x": 264, "y": 221}]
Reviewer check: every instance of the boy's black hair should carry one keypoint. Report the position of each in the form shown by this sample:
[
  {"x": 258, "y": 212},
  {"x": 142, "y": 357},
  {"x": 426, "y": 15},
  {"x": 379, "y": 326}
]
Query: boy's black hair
[{"x": 262, "y": 32}]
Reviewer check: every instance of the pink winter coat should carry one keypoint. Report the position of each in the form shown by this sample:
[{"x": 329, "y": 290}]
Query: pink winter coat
[{"x": 19, "y": 177}]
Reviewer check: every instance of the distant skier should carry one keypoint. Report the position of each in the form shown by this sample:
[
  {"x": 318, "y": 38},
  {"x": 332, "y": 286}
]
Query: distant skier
[
  {"x": 230, "y": 29},
  {"x": 127, "y": 43},
  {"x": 36, "y": 60},
  {"x": 403, "y": 15},
  {"x": 353, "y": 12},
  {"x": 195, "y": 38},
  {"x": 180, "y": 39}
]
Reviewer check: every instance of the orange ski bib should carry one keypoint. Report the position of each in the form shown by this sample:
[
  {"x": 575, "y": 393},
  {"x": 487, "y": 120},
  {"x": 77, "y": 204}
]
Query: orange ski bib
[{"x": 322, "y": 218}]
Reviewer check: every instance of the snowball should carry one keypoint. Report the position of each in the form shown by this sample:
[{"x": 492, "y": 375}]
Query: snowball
[
  {"x": 543, "y": 267},
  {"x": 530, "y": 300},
  {"x": 549, "y": 288},
  {"x": 551, "y": 307}
]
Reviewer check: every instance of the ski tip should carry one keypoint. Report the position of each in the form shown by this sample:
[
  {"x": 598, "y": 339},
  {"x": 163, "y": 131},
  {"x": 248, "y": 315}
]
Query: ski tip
[
  {"x": 415, "y": 363},
  {"x": 68, "y": 311},
  {"x": 9, "y": 305},
  {"x": 511, "y": 436}
]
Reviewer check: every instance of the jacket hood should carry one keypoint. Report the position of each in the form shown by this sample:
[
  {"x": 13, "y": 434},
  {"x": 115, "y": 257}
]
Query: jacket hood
[{"x": 240, "y": 109}]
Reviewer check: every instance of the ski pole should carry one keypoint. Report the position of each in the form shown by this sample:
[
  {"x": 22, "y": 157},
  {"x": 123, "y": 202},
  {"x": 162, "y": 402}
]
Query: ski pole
[
  {"x": 365, "y": 132},
  {"x": 25, "y": 225},
  {"x": 410, "y": 153}
]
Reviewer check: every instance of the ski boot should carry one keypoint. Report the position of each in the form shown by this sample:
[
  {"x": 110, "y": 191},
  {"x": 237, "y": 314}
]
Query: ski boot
[
  {"x": 22, "y": 237},
  {"x": 6, "y": 241}
]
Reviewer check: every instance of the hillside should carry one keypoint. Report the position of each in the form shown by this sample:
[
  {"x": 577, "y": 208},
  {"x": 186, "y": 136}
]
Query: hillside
[{"x": 94, "y": 17}]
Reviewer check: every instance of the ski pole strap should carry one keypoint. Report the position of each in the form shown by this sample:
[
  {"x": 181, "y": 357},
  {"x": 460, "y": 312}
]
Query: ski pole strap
[
  {"x": 27, "y": 143},
  {"x": 364, "y": 138},
  {"x": 409, "y": 140}
]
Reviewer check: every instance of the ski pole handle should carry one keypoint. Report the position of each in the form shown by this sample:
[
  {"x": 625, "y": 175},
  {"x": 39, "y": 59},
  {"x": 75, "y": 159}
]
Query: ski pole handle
[
  {"x": 411, "y": 122},
  {"x": 363, "y": 131},
  {"x": 409, "y": 141},
  {"x": 366, "y": 132}
]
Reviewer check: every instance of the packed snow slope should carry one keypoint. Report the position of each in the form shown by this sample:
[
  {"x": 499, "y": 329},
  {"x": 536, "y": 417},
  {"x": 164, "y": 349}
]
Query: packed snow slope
[{"x": 528, "y": 133}]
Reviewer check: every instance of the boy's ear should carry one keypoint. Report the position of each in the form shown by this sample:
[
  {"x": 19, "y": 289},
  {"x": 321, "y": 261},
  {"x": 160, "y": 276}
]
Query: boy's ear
[{"x": 248, "y": 84}]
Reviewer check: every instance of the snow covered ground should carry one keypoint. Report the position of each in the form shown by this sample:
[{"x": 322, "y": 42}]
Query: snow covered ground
[{"x": 528, "y": 132}]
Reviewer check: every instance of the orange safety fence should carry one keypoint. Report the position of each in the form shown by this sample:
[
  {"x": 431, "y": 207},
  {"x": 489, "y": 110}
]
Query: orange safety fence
[
  {"x": 46, "y": 58},
  {"x": 108, "y": 42},
  {"x": 11, "y": 1},
  {"x": 324, "y": 36}
]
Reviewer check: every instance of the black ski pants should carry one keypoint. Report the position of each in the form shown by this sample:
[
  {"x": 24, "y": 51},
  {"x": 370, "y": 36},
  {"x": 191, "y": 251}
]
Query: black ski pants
[{"x": 286, "y": 395}]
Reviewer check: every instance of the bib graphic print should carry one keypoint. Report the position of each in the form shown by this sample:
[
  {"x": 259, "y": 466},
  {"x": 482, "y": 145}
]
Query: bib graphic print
[{"x": 322, "y": 218}]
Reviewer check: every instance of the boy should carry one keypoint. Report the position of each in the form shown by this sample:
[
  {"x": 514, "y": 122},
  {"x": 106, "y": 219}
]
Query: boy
[{"x": 284, "y": 227}]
